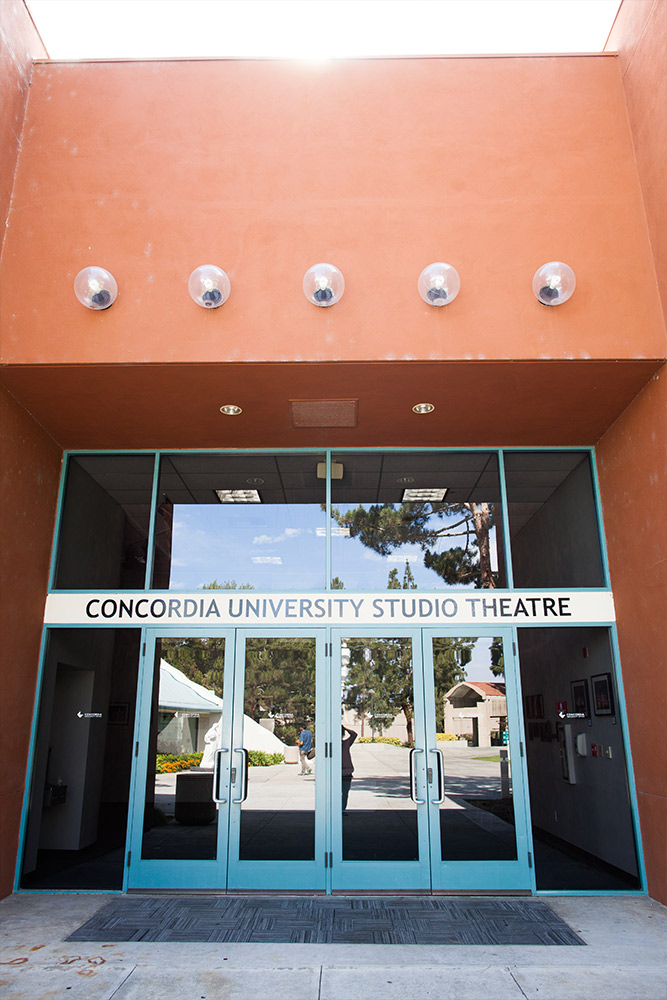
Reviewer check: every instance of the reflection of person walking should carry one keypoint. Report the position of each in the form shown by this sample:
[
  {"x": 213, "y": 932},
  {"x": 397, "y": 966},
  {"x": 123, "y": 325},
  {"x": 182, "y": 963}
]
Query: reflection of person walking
[
  {"x": 346, "y": 761},
  {"x": 305, "y": 746}
]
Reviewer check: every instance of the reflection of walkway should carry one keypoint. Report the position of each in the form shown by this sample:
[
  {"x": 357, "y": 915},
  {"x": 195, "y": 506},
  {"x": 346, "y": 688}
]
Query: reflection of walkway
[{"x": 277, "y": 818}]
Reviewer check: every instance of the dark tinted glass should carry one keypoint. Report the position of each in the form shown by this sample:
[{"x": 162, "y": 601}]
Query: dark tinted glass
[
  {"x": 553, "y": 519},
  {"x": 104, "y": 526}
]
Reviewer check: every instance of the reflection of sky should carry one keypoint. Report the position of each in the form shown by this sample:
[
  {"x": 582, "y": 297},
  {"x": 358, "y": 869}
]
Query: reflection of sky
[{"x": 282, "y": 547}]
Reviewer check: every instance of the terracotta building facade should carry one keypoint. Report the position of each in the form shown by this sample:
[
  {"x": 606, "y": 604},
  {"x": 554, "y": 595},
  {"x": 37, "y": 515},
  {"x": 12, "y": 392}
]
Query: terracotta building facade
[{"x": 257, "y": 494}]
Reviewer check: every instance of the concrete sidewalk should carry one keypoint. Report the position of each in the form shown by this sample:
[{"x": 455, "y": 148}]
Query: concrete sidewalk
[{"x": 625, "y": 958}]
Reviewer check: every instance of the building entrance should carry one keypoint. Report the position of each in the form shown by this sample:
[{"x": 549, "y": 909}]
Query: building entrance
[{"x": 270, "y": 760}]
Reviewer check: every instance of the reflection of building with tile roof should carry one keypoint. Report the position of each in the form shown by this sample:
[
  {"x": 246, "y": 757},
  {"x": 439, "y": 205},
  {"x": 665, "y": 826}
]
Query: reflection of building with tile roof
[{"x": 476, "y": 709}]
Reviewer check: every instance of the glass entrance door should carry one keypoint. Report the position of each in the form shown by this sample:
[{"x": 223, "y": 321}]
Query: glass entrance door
[
  {"x": 378, "y": 761},
  {"x": 224, "y": 796},
  {"x": 379, "y": 770},
  {"x": 477, "y": 821},
  {"x": 427, "y": 782}
]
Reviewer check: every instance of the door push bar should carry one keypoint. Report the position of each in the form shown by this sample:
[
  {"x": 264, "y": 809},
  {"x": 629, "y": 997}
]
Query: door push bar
[
  {"x": 440, "y": 757},
  {"x": 244, "y": 793},
  {"x": 413, "y": 778},
  {"x": 217, "y": 767}
]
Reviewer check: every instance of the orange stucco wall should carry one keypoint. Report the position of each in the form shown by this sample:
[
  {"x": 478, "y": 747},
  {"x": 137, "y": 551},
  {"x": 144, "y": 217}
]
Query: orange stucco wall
[
  {"x": 378, "y": 166},
  {"x": 632, "y": 455},
  {"x": 632, "y": 462},
  {"x": 29, "y": 472},
  {"x": 19, "y": 45}
]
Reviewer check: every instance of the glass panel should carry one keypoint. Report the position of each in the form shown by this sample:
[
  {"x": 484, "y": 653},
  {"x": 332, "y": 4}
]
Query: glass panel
[
  {"x": 180, "y": 816},
  {"x": 252, "y": 522},
  {"x": 577, "y": 772},
  {"x": 477, "y": 814},
  {"x": 553, "y": 519},
  {"x": 416, "y": 520},
  {"x": 104, "y": 525},
  {"x": 379, "y": 816},
  {"x": 279, "y": 733},
  {"x": 77, "y": 817}
]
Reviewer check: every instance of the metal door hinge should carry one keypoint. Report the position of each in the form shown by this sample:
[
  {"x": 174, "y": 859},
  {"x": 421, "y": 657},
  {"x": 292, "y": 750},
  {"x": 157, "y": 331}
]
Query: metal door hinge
[
  {"x": 514, "y": 648},
  {"x": 521, "y": 749},
  {"x": 143, "y": 650},
  {"x": 129, "y": 858},
  {"x": 530, "y": 860},
  {"x": 136, "y": 749}
]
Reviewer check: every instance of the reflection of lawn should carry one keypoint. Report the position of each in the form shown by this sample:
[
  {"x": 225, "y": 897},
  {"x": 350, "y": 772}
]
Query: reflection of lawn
[{"x": 494, "y": 760}]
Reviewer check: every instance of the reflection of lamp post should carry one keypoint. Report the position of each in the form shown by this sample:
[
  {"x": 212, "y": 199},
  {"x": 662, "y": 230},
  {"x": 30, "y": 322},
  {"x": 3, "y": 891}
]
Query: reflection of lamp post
[
  {"x": 367, "y": 660},
  {"x": 372, "y": 694}
]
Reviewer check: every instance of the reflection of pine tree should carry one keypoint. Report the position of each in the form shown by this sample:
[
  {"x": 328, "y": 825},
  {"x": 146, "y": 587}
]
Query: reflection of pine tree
[
  {"x": 379, "y": 680},
  {"x": 280, "y": 679},
  {"x": 450, "y": 656},
  {"x": 202, "y": 660},
  {"x": 385, "y": 527}
]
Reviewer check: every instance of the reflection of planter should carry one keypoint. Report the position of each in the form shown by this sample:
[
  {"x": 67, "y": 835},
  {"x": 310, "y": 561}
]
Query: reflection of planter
[
  {"x": 291, "y": 755},
  {"x": 194, "y": 802}
]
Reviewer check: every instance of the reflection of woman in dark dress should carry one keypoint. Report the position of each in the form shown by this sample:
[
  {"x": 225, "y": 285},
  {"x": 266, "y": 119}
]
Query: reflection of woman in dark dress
[{"x": 348, "y": 737}]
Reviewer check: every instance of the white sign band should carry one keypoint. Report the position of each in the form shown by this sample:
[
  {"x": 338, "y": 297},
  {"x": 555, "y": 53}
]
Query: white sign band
[{"x": 455, "y": 607}]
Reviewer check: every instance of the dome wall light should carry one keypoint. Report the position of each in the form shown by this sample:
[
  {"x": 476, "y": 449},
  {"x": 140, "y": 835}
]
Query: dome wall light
[
  {"x": 323, "y": 285},
  {"x": 439, "y": 284},
  {"x": 231, "y": 410},
  {"x": 423, "y": 408},
  {"x": 554, "y": 283},
  {"x": 95, "y": 288},
  {"x": 209, "y": 286}
]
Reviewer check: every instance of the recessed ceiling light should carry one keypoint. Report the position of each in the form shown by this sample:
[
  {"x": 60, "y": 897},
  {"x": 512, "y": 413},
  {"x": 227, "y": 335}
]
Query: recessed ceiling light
[
  {"x": 426, "y": 494},
  {"x": 238, "y": 496},
  {"x": 404, "y": 480},
  {"x": 423, "y": 408},
  {"x": 255, "y": 481},
  {"x": 231, "y": 410}
]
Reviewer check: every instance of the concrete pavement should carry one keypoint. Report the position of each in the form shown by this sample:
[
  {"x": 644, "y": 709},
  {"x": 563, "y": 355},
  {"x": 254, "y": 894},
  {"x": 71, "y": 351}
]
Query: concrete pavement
[{"x": 625, "y": 958}]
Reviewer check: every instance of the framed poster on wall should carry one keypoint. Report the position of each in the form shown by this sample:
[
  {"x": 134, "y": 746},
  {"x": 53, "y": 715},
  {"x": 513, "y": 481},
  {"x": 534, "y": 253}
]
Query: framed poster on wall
[{"x": 603, "y": 698}]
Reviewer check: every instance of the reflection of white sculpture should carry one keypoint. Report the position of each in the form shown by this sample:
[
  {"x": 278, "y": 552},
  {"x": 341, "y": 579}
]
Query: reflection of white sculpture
[{"x": 211, "y": 743}]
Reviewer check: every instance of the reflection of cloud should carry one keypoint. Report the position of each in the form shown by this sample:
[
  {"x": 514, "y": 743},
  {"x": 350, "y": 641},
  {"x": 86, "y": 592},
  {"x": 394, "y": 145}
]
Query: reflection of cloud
[
  {"x": 272, "y": 539},
  {"x": 336, "y": 529},
  {"x": 272, "y": 560},
  {"x": 179, "y": 562}
]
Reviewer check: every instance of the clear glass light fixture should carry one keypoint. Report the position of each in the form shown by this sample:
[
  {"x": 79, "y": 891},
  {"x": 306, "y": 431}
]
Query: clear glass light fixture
[
  {"x": 554, "y": 283},
  {"x": 323, "y": 284},
  {"x": 423, "y": 408},
  {"x": 230, "y": 409},
  {"x": 95, "y": 288},
  {"x": 209, "y": 286},
  {"x": 439, "y": 284}
]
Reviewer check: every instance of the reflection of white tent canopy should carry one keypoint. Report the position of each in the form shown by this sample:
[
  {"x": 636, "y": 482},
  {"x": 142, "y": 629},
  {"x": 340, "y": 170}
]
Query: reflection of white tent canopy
[{"x": 179, "y": 694}]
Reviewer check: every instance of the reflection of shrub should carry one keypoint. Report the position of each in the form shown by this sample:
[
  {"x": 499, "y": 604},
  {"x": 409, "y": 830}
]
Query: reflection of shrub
[
  {"x": 448, "y": 736},
  {"x": 288, "y": 734},
  {"x": 258, "y": 758},
  {"x": 168, "y": 763},
  {"x": 394, "y": 740}
]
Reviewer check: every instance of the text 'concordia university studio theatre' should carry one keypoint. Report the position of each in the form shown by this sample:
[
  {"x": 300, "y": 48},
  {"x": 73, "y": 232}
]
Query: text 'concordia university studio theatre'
[{"x": 333, "y": 400}]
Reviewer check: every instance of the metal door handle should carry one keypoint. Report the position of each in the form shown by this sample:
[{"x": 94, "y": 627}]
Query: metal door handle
[
  {"x": 413, "y": 778},
  {"x": 440, "y": 757},
  {"x": 217, "y": 765},
  {"x": 244, "y": 793}
]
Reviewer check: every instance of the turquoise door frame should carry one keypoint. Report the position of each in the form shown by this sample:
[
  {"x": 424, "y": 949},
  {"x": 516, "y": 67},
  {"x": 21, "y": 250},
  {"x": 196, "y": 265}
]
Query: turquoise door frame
[
  {"x": 328, "y": 870},
  {"x": 365, "y": 874},
  {"x": 277, "y": 873},
  {"x": 493, "y": 875},
  {"x": 226, "y": 870}
]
